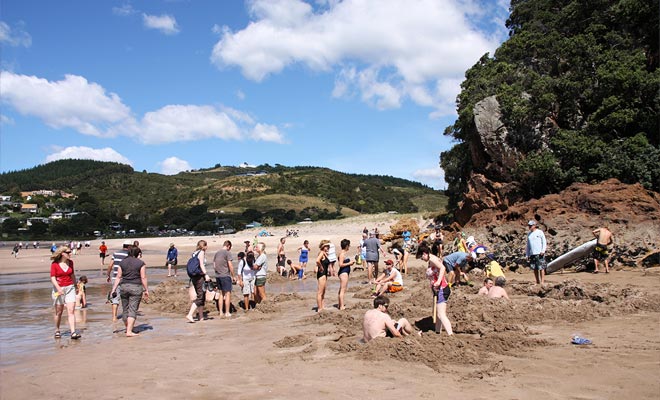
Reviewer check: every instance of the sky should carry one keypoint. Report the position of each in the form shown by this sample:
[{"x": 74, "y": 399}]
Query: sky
[{"x": 358, "y": 86}]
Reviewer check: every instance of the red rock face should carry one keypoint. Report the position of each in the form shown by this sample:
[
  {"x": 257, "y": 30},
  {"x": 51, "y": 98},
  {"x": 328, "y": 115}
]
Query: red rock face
[{"x": 492, "y": 214}]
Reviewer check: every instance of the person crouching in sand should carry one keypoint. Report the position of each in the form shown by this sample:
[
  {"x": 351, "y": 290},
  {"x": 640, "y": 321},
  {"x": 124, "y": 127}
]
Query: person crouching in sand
[{"x": 378, "y": 323}]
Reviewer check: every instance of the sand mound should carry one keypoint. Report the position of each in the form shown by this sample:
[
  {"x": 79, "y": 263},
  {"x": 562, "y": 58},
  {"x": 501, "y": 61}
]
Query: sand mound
[
  {"x": 170, "y": 296},
  {"x": 293, "y": 341},
  {"x": 483, "y": 327}
]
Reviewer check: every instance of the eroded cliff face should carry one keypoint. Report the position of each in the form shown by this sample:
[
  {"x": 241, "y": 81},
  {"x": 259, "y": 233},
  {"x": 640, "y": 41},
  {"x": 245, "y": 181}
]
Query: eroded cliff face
[
  {"x": 493, "y": 209},
  {"x": 491, "y": 184},
  {"x": 631, "y": 212},
  {"x": 491, "y": 152}
]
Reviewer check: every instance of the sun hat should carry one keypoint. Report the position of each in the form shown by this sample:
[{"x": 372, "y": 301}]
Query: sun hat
[
  {"x": 480, "y": 250},
  {"x": 531, "y": 222}
]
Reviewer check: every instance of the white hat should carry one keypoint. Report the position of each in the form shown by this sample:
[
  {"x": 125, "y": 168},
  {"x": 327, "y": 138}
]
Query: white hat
[
  {"x": 480, "y": 250},
  {"x": 531, "y": 222}
]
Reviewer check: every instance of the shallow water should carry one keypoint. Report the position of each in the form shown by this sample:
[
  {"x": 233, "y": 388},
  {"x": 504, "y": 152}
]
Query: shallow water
[{"x": 27, "y": 326}]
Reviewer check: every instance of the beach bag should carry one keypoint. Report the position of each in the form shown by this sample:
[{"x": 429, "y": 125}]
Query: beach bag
[{"x": 192, "y": 267}]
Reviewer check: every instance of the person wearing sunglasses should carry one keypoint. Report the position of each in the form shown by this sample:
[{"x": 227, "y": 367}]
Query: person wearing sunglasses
[{"x": 65, "y": 290}]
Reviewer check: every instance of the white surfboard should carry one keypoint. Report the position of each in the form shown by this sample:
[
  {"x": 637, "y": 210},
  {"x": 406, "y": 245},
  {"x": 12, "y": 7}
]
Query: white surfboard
[{"x": 581, "y": 251}]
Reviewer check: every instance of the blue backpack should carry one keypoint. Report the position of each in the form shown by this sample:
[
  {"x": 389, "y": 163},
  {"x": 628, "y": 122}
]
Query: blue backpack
[{"x": 192, "y": 267}]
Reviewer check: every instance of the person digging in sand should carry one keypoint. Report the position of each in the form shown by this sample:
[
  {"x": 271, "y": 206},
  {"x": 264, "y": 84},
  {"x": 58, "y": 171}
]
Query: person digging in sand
[
  {"x": 390, "y": 281},
  {"x": 378, "y": 323},
  {"x": 437, "y": 276}
]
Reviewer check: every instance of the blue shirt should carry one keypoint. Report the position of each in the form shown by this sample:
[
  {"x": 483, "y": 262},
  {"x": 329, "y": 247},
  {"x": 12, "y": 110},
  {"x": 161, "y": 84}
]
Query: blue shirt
[
  {"x": 536, "y": 243},
  {"x": 458, "y": 258},
  {"x": 172, "y": 254}
]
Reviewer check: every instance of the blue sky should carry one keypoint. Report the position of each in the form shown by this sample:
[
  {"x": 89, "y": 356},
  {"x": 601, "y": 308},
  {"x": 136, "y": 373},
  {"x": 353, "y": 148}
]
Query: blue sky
[{"x": 359, "y": 86}]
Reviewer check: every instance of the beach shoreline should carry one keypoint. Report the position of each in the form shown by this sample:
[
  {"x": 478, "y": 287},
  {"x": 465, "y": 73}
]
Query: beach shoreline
[{"x": 519, "y": 349}]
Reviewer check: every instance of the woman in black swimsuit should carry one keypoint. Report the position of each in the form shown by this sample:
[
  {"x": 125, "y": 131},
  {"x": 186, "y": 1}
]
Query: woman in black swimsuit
[
  {"x": 322, "y": 265},
  {"x": 345, "y": 263}
]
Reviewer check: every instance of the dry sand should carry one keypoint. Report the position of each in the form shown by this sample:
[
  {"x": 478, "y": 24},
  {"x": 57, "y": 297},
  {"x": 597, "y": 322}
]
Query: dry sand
[{"x": 508, "y": 350}]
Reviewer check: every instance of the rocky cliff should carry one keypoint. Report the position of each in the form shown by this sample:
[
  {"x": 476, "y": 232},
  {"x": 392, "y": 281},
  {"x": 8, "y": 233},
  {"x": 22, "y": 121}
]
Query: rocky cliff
[{"x": 631, "y": 212}]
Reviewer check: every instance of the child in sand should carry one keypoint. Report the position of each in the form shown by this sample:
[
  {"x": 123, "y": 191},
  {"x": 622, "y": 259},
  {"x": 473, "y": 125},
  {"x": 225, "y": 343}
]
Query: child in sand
[
  {"x": 389, "y": 281},
  {"x": 295, "y": 271},
  {"x": 81, "y": 297}
]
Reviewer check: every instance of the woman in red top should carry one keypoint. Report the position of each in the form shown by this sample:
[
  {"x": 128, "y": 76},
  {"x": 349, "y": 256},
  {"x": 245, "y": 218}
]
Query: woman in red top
[{"x": 64, "y": 289}]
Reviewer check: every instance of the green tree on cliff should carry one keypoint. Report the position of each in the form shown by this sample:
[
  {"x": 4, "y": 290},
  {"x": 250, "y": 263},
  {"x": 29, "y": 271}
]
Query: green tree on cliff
[{"x": 577, "y": 82}]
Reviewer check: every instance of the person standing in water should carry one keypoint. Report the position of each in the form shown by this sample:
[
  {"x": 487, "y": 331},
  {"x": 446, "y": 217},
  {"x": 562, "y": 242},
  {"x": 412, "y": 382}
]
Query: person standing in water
[{"x": 65, "y": 290}]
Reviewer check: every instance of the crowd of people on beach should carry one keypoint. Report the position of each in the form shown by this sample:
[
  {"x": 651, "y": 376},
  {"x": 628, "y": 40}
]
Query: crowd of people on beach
[{"x": 126, "y": 273}]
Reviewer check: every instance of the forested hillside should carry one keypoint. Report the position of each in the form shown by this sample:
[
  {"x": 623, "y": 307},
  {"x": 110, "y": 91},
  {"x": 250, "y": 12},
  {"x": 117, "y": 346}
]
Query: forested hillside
[
  {"x": 571, "y": 96},
  {"x": 205, "y": 199}
]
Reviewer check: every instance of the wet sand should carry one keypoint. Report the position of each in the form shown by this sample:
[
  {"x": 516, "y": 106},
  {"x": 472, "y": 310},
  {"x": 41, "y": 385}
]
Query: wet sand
[{"x": 518, "y": 349}]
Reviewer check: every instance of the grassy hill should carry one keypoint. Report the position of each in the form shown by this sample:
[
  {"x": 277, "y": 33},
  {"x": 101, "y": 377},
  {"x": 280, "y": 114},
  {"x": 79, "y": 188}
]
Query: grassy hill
[{"x": 275, "y": 194}]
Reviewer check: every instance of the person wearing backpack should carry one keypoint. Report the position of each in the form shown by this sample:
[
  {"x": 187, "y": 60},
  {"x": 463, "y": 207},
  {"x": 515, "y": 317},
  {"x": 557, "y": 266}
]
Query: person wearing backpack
[{"x": 198, "y": 276}]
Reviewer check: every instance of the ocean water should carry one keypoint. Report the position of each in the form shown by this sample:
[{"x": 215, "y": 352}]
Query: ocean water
[{"x": 27, "y": 326}]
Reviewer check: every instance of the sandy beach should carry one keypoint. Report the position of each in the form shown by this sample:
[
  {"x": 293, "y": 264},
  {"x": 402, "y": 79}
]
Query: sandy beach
[{"x": 518, "y": 349}]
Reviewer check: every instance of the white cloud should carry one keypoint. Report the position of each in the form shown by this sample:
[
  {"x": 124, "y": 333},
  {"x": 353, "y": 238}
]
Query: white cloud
[
  {"x": 73, "y": 102},
  {"x": 86, "y": 107},
  {"x": 87, "y": 153},
  {"x": 176, "y": 123},
  {"x": 14, "y": 37},
  {"x": 164, "y": 23},
  {"x": 5, "y": 120},
  {"x": 124, "y": 10},
  {"x": 217, "y": 29},
  {"x": 392, "y": 50},
  {"x": 434, "y": 177},
  {"x": 173, "y": 165},
  {"x": 267, "y": 133}
]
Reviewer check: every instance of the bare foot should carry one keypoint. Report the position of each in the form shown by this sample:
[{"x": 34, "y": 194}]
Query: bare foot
[
  {"x": 131, "y": 334},
  {"x": 190, "y": 319}
]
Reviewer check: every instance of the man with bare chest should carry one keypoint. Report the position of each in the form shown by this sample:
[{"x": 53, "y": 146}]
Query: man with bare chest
[
  {"x": 602, "y": 251},
  {"x": 378, "y": 323}
]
